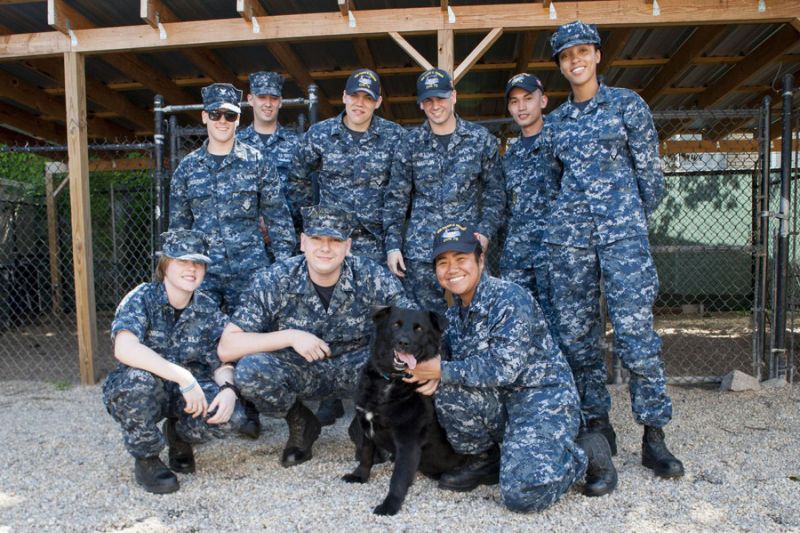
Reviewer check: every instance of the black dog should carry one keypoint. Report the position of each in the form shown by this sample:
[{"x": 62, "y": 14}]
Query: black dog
[{"x": 390, "y": 413}]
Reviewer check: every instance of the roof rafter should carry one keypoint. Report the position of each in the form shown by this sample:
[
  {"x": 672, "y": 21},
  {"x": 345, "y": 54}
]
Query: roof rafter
[
  {"x": 366, "y": 58},
  {"x": 284, "y": 55},
  {"x": 690, "y": 50},
  {"x": 613, "y": 47},
  {"x": 755, "y": 62},
  {"x": 477, "y": 53},
  {"x": 526, "y": 40},
  {"x": 35, "y": 127}
]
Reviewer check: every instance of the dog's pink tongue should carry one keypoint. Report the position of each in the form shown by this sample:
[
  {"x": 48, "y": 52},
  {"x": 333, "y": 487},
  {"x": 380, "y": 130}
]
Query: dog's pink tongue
[{"x": 407, "y": 358}]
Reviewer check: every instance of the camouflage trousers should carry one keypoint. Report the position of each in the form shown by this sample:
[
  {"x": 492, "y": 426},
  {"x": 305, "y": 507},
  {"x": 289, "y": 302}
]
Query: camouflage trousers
[
  {"x": 631, "y": 285},
  {"x": 274, "y": 380},
  {"x": 227, "y": 287},
  {"x": 367, "y": 245},
  {"x": 139, "y": 400},
  {"x": 536, "y": 430},
  {"x": 421, "y": 286},
  {"x": 537, "y": 281}
]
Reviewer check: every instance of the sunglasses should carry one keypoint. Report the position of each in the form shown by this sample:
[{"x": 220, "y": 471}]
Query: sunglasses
[{"x": 230, "y": 116}]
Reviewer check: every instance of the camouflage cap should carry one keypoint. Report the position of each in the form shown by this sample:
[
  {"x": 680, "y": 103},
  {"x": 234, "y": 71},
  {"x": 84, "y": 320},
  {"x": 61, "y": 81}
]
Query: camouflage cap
[
  {"x": 185, "y": 244},
  {"x": 454, "y": 237},
  {"x": 525, "y": 81},
  {"x": 364, "y": 81},
  {"x": 319, "y": 221},
  {"x": 573, "y": 34},
  {"x": 221, "y": 96},
  {"x": 434, "y": 82},
  {"x": 266, "y": 83}
]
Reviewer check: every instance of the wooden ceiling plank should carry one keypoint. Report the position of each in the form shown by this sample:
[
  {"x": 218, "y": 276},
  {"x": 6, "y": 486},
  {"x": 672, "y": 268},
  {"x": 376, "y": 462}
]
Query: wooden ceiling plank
[
  {"x": 691, "y": 49},
  {"x": 31, "y": 125},
  {"x": 612, "y": 48},
  {"x": 526, "y": 41},
  {"x": 477, "y": 53},
  {"x": 755, "y": 62}
]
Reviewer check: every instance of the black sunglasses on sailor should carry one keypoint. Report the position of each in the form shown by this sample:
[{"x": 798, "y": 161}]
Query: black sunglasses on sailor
[{"x": 230, "y": 116}]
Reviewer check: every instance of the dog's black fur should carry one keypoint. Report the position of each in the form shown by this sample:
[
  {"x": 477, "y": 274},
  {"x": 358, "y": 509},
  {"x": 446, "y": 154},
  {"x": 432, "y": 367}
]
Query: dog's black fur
[{"x": 390, "y": 413}]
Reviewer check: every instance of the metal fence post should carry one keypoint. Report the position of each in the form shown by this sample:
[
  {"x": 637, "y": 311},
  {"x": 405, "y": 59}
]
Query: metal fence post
[
  {"x": 313, "y": 104},
  {"x": 778, "y": 352},
  {"x": 158, "y": 154},
  {"x": 762, "y": 241}
]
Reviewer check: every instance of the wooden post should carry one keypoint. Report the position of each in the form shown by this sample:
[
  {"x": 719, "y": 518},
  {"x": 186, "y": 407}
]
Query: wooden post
[
  {"x": 445, "y": 40},
  {"x": 85, "y": 311},
  {"x": 52, "y": 234}
]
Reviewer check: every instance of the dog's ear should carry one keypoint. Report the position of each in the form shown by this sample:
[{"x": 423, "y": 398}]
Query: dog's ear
[
  {"x": 379, "y": 312},
  {"x": 439, "y": 321}
]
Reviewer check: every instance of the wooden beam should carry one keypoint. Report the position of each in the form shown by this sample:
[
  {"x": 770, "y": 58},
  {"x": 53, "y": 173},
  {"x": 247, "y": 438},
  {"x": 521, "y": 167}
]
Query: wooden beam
[
  {"x": 344, "y": 7},
  {"x": 377, "y": 22},
  {"x": 154, "y": 11},
  {"x": 366, "y": 58},
  {"x": 755, "y": 62},
  {"x": 685, "y": 55},
  {"x": 525, "y": 42},
  {"x": 249, "y": 9},
  {"x": 477, "y": 53},
  {"x": 152, "y": 78},
  {"x": 63, "y": 17},
  {"x": 80, "y": 210},
  {"x": 284, "y": 55},
  {"x": 418, "y": 58},
  {"x": 445, "y": 50},
  {"x": 613, "y": 47},
  {"x": 24, "y": 122}
]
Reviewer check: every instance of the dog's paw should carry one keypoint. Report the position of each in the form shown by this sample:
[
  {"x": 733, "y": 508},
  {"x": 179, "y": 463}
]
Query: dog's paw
[
  {"x": 387, "y": 508},
  {"x": 353, "y": 478}
]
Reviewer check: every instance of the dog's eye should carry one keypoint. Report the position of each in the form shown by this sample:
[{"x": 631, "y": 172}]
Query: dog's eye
[
  {"x": 397, "y": 325},
  {"x": 417, "y": 328}
]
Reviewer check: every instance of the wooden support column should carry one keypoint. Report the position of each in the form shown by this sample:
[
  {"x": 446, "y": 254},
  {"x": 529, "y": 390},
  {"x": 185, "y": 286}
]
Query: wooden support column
[
  {"x": 446, "y": 58},
  {"x": 77, "y": 147}
]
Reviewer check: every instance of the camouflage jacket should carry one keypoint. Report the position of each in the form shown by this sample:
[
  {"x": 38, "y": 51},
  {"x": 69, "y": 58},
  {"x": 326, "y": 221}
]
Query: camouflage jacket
[
  {"x": 190, "y": 342},
  {"x": 503, "y": 341},
  {"x": 612, "y": 180},
  {"x": 225, "y": 204},
  {"x": 352, "y": 175},
  {"x": 531, "y": 180},
  {"x": 464, "y": 182},
  {"x": 279, "y": 151},
  {"x": 284, "y": 297}
]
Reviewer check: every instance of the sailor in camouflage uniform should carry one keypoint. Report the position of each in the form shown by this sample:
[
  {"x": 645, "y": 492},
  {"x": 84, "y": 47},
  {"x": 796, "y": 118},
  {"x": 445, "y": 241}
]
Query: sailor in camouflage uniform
[
  {"x": 165, "y": 336},
  {"x": 276, "y": 143},
  {"x": 531, "y": 182},
  {"x": 310, "y": 315},
  {"x": 222, "y": 189},
  {"x": 352, "y": 154},
  {"x": 445, "y": 169},
  {"x": 612, "y": 182},
  {"x": 504, "y": 393}
]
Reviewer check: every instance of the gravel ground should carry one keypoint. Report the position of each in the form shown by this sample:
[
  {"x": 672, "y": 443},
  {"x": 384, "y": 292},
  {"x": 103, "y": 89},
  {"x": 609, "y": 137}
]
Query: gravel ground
[{"x": 66, "y": 469}]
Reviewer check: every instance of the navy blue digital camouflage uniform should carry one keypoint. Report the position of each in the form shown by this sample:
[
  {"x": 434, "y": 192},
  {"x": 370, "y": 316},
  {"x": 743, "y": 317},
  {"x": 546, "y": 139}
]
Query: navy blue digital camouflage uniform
[
  {"x": 279, "y": 150},
  {"x": 352, "y": 175},
  {"x": 611, "y": 183},
  {"x": 137, "y": 399},
  {"x": 504, "y": 381},
  {"x": 462, "y": 182},
  {"x": 531, "y": 182},
  {"x": 225, "y": 203},
  {"x": 285, "y": 298}
]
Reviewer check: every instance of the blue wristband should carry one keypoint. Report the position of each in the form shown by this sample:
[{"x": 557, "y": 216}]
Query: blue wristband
[{"x": 188, "y": 387}]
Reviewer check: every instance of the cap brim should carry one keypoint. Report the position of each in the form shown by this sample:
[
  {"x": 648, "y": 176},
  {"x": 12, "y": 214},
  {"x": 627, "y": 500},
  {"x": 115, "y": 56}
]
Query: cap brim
[
  {"x": 570, "y": 44},
  {"x": 365, "y": 91},
  {"x": 461, "y": 247},
  {"x": 197, "y": 258},
  {"x": 326, "y": 232},
  {"x": 437, "y": 93},
  {"x": 266, "y": 92},
  {"x": 214, "y": 106},
  {"x": 521, "y": 86}
]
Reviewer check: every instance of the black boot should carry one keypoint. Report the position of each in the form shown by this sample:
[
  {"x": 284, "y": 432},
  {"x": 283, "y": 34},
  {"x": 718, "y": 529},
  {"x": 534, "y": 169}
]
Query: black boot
[
  {"x": 154, "y": 476},
  {"x": 602, "y": 425},
  {"x": 656, "y": 455},
  {"x": 480, "y": 469},
  {"x": 601, "y": 475},
  {"x": 329, "y": 411},
  {"x": 304, "y": 429},
  {"x": 181, "y": 455},
  {"x": 252, "y": 426}
]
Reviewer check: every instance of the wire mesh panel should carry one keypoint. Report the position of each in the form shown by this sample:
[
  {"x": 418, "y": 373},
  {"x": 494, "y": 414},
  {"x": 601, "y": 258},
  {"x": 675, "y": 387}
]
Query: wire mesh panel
[{"x": 38, "y": 338}]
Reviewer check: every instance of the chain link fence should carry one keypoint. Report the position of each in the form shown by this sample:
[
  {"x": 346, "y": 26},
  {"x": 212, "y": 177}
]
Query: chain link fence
[
  {"x": 704, "y": 238},
  {"x": 38, "y": 337}
]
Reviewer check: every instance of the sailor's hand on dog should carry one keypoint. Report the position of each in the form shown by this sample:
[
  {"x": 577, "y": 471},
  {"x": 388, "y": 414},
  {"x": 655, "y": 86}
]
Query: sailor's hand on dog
[
  {"x": 427, "y": 388},
  {"x": 425, "y": 371},
  {"x": 309, "y": 346}
]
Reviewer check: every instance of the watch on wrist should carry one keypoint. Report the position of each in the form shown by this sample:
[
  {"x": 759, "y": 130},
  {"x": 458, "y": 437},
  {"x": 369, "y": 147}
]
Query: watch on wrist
[{"x": 229, "y": 385}]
